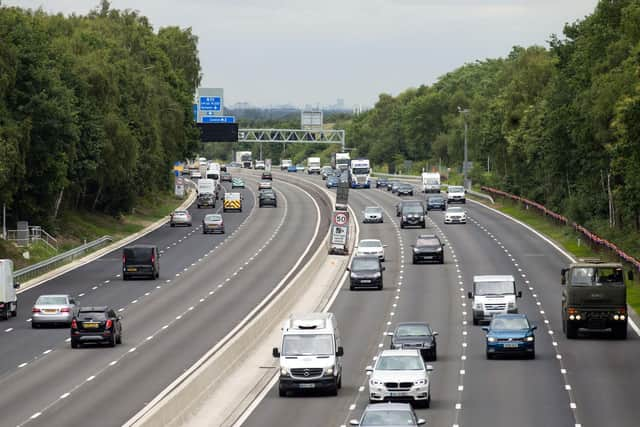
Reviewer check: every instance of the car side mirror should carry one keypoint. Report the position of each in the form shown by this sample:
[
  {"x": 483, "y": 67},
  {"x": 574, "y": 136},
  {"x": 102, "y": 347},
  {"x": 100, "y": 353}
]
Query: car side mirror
[
  {"x": 435, "y": 334},
  {"x": 443, "y": 244},
  {"x": 429, "y": 368},
  {"x": 368, "y": 369},
  {"x": 519, "y": 294},
  {"x": 275, "y": 352},
  {"x": 354, "y": 423},
  {"x": 533, "y": 328},
  {"x": 421, "y": 421},
  {"x": 384, "y": 268},
  {"x": 119, "y": 317},
  {"x": 485, "y": 328},
  {"x": 470, "y": 295},
  {"x": 630, "y": 275},
  {"x": 348, "y": 268},
  {"x": 340, "y": 352},
  {"x": 16, "y": 285},
  {"x": 386, "y": 246}
]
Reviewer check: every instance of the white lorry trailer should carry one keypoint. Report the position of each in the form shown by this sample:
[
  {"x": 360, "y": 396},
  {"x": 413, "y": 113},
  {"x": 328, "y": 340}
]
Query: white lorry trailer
[
  {"x": 340, "y": 161},
  {"x": 8, "y": 297},
  {"x": 244, "y": 158}
]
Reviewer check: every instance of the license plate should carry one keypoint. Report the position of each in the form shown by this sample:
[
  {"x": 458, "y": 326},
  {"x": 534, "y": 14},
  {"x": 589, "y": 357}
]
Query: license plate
[
  {"x": 91, "y": 325},
  {"x": 50, "y": 311},
  {"x": 511, "y": 345},
  {"x": 306, "y": 385},
  {"x": 365, "y": 281},
  {"x": 396, "y": 393},
  {"x": 131, "y": 269}
]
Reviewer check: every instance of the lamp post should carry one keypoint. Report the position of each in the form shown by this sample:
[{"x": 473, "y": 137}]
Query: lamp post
[{"x": 464, "y": 112}]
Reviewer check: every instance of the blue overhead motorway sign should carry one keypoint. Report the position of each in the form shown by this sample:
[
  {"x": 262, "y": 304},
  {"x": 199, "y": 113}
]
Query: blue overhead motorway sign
[
  {"x": 210, "y": 103},
  {"x": 219, "y": 119}
]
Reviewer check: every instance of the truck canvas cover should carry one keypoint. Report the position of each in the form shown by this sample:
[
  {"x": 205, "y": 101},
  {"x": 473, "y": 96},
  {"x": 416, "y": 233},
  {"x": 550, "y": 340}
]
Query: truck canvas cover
[{"x": 7, "y": 292}]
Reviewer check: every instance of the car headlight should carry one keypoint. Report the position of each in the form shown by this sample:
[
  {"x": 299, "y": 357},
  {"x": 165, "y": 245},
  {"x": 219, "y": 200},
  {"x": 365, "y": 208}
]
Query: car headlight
[
  {"x": 284, "y": 372},
  {"x": 529, "y": 339},
  {"x": 377, "y": 275},
  {"x": 416, "y": 250},
  {"x": 329, "y": 370},
  {"x": 511, "y": 305},
  {"x": 420, "y": 382},
  {"x": 439, "y": 250},
  {"x": 404, "y": 218},
  {"x": 477, "y": 306},
  {"x": 491, "y": 339},
  {"x": 374, "y": 382}
]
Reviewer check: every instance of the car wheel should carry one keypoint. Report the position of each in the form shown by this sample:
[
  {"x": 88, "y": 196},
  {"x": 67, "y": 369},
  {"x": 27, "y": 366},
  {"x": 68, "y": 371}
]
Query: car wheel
[
  {"x": 125, "y": 277},
  {"x": 619, "y": 332},
  {"x": 172, "y": 225},
  {"x": 532, "y": 355},
  {"x": 442, "y": 260},
  {"x": 415, "y": 261},
  {"x": 112, "y": 341},
  {"x": 74, "y": 344},
  {"x": 434, "y": 355},
  {"x": 340, "y": 381},
  {"x": 119, "y": 338},
  {"x": 489, "y": 356},
  {"x": 333, "y": 391},
  {"x": 476, "y": 322},
  {"x": 572, "y": 331},
  {"x": 380, "y": 287},
  {"x": 14, "y": 312},
  {"x": 34, "y": 325},
  {"x": 157, "y": 274},
  {"x": 352, "y": 288},
  {"x": 427, "y": 403},
  {"x": 401, "y": 225},
  {"x": 282, "y": 392}
]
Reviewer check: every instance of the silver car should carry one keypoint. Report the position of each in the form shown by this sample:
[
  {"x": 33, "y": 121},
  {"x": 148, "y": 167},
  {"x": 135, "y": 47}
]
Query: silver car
[
  {"x": 180, "y": 218},
  {"x": 372, "y": 214},
  {"x": 388, "y": 414},
  {"x": 52, "y": 310}
]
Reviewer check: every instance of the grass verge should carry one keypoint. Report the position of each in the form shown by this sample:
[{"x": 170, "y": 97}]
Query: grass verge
[
  {"x": 566, "y": 237},
  {"x": 78, "y": 227}
]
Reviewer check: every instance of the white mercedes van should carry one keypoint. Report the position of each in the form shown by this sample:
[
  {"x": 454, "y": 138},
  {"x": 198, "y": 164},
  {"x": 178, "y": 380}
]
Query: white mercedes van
[
  {"x": 493, "y": 295},
  {"x": 310, "y": 354}
]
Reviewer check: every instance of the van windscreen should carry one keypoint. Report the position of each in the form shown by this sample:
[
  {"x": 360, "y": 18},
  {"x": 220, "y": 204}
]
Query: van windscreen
[
  {"x": 495, "y": 288},
  {"x": 307, "y": 344},
  {"x": 137, "y": 255}
]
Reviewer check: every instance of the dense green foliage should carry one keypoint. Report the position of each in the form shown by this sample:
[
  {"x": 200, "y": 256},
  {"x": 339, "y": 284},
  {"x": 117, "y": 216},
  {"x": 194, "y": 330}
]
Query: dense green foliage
[
  {"x": 551, "y": 123},
  {"x": 93, "y": 110}
]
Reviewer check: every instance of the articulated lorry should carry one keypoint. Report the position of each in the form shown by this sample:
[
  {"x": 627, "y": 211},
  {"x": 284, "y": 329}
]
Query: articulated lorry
[
  {"x": 360, "y": 173},
  {"x": 313, "y": 165},
  {"x": 244, "y": 158},
  {"x": 340, "y": 161}
]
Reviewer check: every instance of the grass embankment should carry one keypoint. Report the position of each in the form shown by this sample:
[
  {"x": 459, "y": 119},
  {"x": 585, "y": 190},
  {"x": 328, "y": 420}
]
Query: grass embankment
[
  {"x": 567, "y": 238},
  {"x": 76, "y": 228}
]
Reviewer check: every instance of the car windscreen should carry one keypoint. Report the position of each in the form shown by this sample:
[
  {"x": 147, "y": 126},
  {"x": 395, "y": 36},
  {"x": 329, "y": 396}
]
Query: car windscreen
[
  {"x": 359, "y": 264},
  {"x": 51, "y": 300},
  {"x": 510, "y": 324},
  {"x": 93, "y": 315},
  {"x": 213, "y": 217},
  {"x": 388, "y": 418},
  {"x": 436, "y": 199},
  {"x": 455, "y": 189},
  {"x": 413, "y": 331},
  {"x": 399, "y": 363},
  {"x": 455, "y": 210},
  {"x": 413, "y": 210},
  {"x": 133, "y": 255},
  {"x": 373, "y": 210},
  {"x": 494, "y": 288},
  {"x": 369, "y": 244},
  {"x": 307, "y": 344},
  {"x": 590, "y": 276}
]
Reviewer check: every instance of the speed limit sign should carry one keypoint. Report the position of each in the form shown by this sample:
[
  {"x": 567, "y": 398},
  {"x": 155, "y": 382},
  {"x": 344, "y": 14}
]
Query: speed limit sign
[{"x": 340, "y": 218}]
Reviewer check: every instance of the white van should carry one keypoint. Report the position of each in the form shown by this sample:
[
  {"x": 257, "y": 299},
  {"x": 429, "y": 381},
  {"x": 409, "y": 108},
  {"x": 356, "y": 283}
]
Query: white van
[
  {"x": 493, "y": 295},
  {"x": 431, "y": 182},
  {"x": 310, "y": 354},
  {"x": 456, "y": 194}
]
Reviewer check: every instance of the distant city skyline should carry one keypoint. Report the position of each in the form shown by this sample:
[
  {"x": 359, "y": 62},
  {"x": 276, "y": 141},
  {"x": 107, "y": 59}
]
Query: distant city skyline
[{"x": 292, "y": 52}]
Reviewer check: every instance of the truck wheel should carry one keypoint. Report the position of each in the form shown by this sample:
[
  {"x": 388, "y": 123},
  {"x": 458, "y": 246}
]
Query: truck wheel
[
  {"x": 619, "y": 332},
  {"x": 571, "y": 330},
  {"x": 475, "y": 321},
  {"x": 14, "y": 312},
  {"x": 282, "y": 392}
]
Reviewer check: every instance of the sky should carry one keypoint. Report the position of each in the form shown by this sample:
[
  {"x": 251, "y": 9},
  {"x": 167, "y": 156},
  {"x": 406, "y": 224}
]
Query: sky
[{"x": 272, "y": 52}]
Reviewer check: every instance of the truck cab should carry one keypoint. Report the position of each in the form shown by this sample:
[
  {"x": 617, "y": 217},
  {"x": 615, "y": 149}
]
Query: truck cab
[
  {"x": 310, "y": 354},
  {"x": 492, "y": 295},
  {"x": 360, "y": 173},
  {"x": 594, "y": 298},
  {"x": 313, "y": 165}
]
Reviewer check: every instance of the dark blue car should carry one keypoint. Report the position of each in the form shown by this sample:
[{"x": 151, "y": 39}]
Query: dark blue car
[
  {"x": 292, "y": 168},
  {"x": 332, "y": 181},
  {"x": 510, "y": 334}
]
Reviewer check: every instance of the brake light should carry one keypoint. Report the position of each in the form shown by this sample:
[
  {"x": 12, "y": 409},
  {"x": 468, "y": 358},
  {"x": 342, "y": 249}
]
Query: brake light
[
  {"x": 109, "y": 324},
  {"x": 64, "y": 310},
  {"x": 124, "y": 259},
  {"x": 572, "y": 311},
  {"x": 153, "y": 258},
  {"x": 35, "y": 310},
  {"x": 74, "y": 324}
]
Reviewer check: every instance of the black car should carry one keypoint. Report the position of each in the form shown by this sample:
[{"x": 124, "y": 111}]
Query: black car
[
  {"x": 436, "y": 202},
  {"x": 366, "y": 272},
  {"x": 416, "y": 335},
  {"x": 140, "y": 260},
  {"x": 98, "y": 325},
  {"x": 382, "y": 182},
  {"x": 404, "y": 190},
  {"x": 267, "y": 197},
  {"x": 267, "y": 175},
  {"x": 404, "y": 203},
  {"x": 413, "y": 216},
  {"x": 389, "y": 185},
  {"x": 428, "y": 247}
]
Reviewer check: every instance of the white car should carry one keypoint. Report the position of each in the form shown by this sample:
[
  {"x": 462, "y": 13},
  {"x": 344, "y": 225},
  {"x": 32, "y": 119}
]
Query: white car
[
  {"x": 455, "y": 215},
  {"x": 371, "y": 247},
  {"x": 372, "y": 214},
  {"x": 402, "y": 375},
  {"x": 456, "y": 194}
]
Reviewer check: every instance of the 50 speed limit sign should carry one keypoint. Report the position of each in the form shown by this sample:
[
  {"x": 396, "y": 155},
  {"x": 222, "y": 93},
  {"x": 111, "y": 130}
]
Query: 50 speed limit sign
[{"x": 340, "y": 218}]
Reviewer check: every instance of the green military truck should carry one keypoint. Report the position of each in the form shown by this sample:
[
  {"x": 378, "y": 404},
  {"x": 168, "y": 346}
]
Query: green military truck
[{"x": 594, "y": 298}]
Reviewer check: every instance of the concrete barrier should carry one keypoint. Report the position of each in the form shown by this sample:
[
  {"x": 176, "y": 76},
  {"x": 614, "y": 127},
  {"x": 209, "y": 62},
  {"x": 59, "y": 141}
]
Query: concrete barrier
[{"x": 185, "y": 396}]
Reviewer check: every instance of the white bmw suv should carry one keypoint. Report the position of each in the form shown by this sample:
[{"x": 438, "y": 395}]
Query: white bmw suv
[{"x": 400, "y": 375}]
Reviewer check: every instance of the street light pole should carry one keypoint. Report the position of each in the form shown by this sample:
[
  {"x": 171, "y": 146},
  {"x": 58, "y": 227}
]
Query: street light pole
[{"x": 464, "y": 112}]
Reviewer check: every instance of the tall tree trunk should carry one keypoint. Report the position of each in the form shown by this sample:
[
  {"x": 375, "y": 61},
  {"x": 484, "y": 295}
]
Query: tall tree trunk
[
  {"x": 95, "y": 201},
  {"x": 58, "y": 202}
]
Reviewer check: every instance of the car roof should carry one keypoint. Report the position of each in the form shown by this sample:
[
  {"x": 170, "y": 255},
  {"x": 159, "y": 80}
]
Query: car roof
[
  {"x": 428, "y": 236},
  {"x": 140, "y": 247},
  {"x": 404, "y": 352},
  {"x": 494, "y": 278},
  {"x": 97, "y": 309},
  {"x": 389, "y": 406}
]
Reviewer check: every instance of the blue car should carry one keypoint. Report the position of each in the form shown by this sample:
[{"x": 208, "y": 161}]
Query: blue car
[
  {"x": 332, "y": 181},
  {"x": 292, "y": 168},
  {"x": 510, "y": 334}
]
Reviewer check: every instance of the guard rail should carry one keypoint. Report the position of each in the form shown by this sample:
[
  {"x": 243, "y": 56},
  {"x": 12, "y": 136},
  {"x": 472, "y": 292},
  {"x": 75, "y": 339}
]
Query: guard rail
[{"x": 49, "y": 264}]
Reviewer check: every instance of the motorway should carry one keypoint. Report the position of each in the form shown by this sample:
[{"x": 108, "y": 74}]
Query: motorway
[
  {"x": 207, "y": 285},
  {"x": 586, "y": 382}
]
